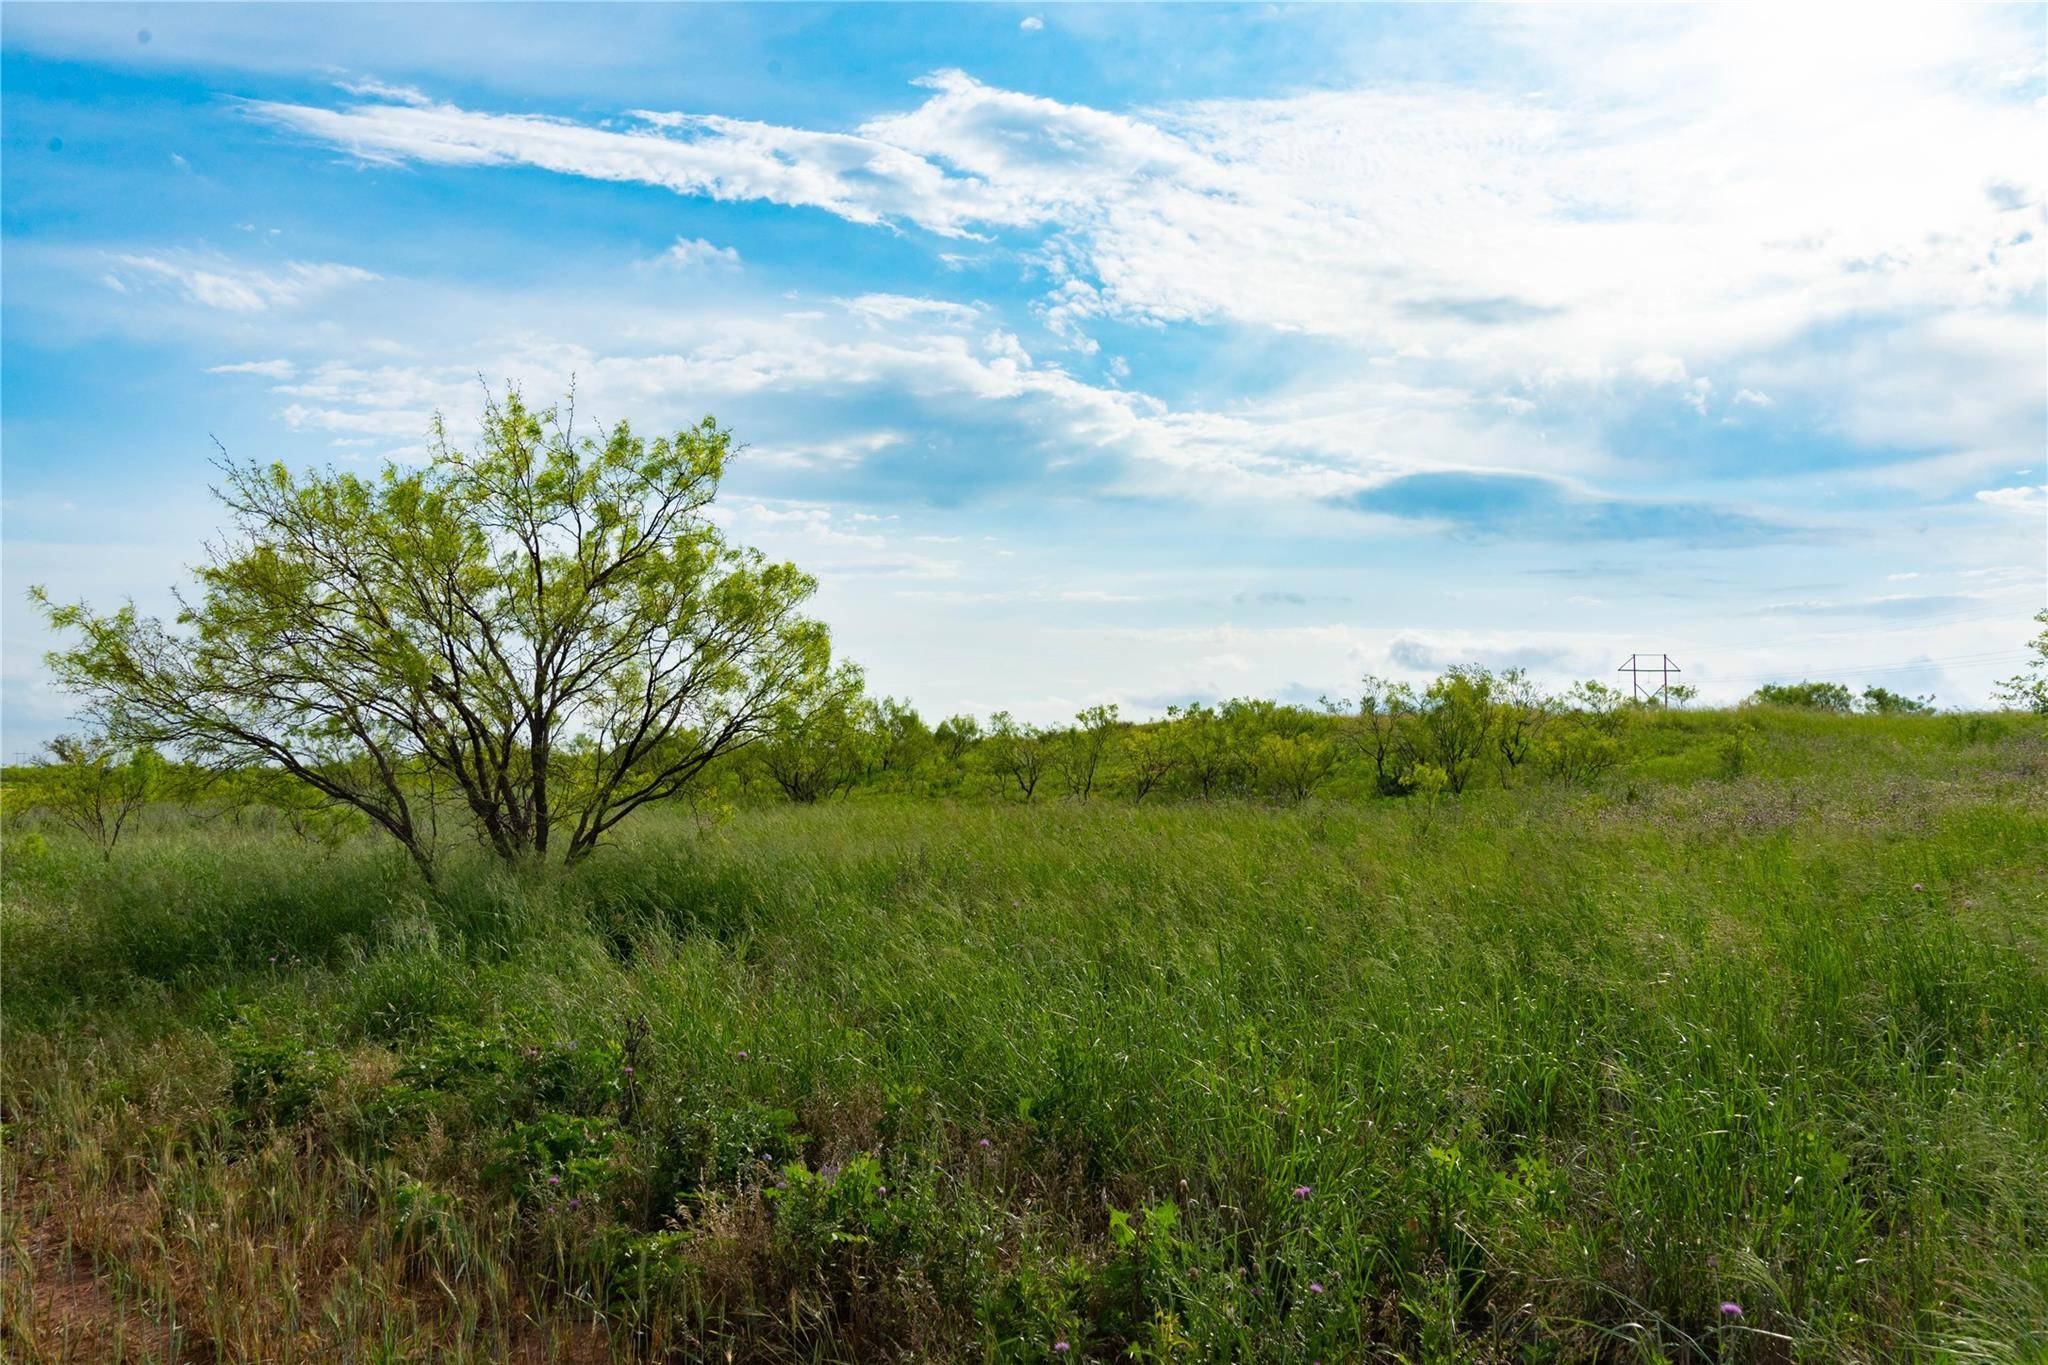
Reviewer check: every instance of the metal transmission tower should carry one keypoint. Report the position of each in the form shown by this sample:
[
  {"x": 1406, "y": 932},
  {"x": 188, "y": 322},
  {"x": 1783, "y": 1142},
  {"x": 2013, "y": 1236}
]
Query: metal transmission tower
[{"x": 1643, "y": 666}]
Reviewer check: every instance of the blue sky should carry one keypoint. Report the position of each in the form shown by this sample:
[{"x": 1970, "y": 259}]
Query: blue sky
[{"x": 1091, "y": 353}]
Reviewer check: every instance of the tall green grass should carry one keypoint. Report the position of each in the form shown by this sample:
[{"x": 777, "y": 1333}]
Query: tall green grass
[{"x": 1550, "y": 1075}]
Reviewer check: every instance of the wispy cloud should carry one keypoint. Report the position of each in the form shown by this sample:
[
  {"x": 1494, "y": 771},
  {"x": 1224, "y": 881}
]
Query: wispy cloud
[
  {"x": 217, "y": 282},
  {"x": 381, "y": 90},
  {"x": 268, "y": 369},
  {"x": 863, "y": 179},
  {"x": 898, "y": 307}
]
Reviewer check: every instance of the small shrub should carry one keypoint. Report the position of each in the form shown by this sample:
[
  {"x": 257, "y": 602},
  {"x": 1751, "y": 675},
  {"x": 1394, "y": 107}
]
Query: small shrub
[
  {"x": 420, "y": 1212},
  {"x": 723, "y": 1145},
  {"x": 555, "y": 1157},
  {"x": 1578, "y": 753},
  {"x": 276, "y": 1076},
  {"x": 1973, "y": 727},
  {"x": 1427, "y": 786},
  {"x": 1134, "y": 1283},
  {"x": 1737, "y": 752},
  {"x": 500, "y": 1073},
  {"x": 404, "y": 993}
]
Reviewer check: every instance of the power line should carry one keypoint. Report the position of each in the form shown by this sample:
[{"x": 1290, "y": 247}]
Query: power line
[
  {"x": 1896, "y": 626},
  {"x": 1894, "y": 666},
  {"x": 1862, "y": 670}
]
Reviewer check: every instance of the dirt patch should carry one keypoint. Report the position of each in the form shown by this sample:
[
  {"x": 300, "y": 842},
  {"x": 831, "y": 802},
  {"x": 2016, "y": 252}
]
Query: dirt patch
[{"x": 57, "y": 1307}]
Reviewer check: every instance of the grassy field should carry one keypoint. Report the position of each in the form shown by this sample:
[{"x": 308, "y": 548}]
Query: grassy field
[{"x": 1539, "y": 1074}]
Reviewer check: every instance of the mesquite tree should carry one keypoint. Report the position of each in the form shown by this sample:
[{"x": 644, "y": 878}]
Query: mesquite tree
[
  {"x": 546, "y": 629},
  {"x": 816, "y": 746},
  {"x": 93, "y": 785}
]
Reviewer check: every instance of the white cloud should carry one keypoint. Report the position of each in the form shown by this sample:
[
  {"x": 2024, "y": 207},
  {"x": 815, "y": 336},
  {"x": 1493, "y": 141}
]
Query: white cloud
[
  {"x": 216, "y": 282},
  {"x": 2025, "y": 498},
  {"x": 938, "y": 367},
  {"x": 813, "y": 534},
  {"x": 898, "y": 307},
  {"x": 268, "y": 369},
  {"x": 858, "y": 178},
  {"x": 688, "y": 252},
  {"x": 395, "y": 424},
  {"x": 841, "y": 452},
  {"x": 1031, "y": 23},
  {"x": 1660, "y": 369},
  {"x": 380, "y": 90}
]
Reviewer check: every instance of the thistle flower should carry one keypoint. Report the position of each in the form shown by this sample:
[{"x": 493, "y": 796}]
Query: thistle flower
[
  {"x": 1731, "y": 1309},
  {"x": 1060, "y": 1347},
  {"x": 1303, "y": 1191}
]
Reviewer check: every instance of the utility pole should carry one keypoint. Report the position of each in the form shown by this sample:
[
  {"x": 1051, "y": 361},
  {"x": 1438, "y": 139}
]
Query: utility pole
[{"x": 1641, "y": 667}]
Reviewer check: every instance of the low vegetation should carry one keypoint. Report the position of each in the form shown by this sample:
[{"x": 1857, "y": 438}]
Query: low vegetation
[{"x": 1725, "y": 1043}]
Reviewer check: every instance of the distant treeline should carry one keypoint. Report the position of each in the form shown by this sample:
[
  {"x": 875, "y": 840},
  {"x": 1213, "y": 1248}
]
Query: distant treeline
[{"x": 1471, "y": 726}]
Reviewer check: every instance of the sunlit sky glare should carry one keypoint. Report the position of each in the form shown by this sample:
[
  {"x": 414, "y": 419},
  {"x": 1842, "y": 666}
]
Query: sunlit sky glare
[{"x": 1091, "y": 353}]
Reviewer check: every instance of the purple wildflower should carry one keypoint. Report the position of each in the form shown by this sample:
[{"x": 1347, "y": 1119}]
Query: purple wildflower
[
  {"x": 1303, "y": 1191},
  {"x": 1731, "y": 1309},
  {"x": 1315, "y": 1286},
  {"x": 986, "y": 1144},
  {"x": 741, "y": 1054},
  {"x": 554, "y": 1180},
  {"x": 1060, "y": 1347},
  {"x": 1918, "y": 886}
]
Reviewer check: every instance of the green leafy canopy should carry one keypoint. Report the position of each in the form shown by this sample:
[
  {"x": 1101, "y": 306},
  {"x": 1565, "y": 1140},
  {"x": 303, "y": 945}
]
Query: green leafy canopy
[{"x": 544, "y": 633}]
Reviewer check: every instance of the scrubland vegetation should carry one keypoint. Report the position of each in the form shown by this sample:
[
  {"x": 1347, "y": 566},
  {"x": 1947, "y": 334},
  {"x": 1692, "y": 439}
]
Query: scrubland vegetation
[
  {"x": 487, "y": 923},
  {"x": 1557, "y": 1067}
]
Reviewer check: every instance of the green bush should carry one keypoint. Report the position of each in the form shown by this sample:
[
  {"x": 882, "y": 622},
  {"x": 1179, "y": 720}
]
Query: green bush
[
  {"x": 277, "y": 1076},
  {"x": 1807, "y": 696},
  {"x": 552, "y": 1158}
]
